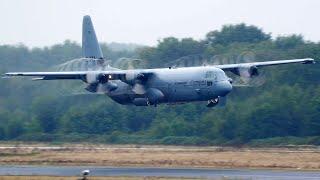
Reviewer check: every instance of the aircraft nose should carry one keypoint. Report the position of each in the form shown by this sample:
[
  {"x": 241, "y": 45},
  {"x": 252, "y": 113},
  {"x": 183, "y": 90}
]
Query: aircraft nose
[{"x": 223, "y": 88}]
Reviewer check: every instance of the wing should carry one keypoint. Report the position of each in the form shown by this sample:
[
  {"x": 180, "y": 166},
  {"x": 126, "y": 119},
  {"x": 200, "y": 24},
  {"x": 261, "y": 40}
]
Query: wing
[
  {"x": 127, "y": 76},
  {"x": 136, "y": 78},
  {"x": 50, "y": 75},
  {"x": 121, "y": 74},
  {"x": 232, "y": 67},
  {"x": 82, "y": 75}
]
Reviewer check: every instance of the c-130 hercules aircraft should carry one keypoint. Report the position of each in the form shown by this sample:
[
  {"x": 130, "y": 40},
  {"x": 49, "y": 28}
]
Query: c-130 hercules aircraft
[{"x": 145, "y": 87}]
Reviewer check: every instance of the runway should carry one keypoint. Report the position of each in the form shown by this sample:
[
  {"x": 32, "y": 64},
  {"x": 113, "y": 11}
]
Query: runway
[{"x": 164, "y": 172}]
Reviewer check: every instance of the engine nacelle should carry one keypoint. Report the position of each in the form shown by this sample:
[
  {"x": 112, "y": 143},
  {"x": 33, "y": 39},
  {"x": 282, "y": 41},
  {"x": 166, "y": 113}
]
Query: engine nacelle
[
  {"x": 253, "y": 71},
  {"x": 141, "y": 102},
  {"x": 246, "y": 71},
  {"x": 93, "y": 77},
  {"x": 132, "y": 77},
  {"x": 154, "y": 95},
  {"x": 111, "y": 86}
]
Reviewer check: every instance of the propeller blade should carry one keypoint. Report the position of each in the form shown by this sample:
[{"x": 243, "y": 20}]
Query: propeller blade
[
  {"x": 253, "y": 81},
  {"x": 139, "y": 88},
  {"x": 92, "y": 87},
  {"x": 91, "y": 77},
  {"x": 100, "y": 88}
]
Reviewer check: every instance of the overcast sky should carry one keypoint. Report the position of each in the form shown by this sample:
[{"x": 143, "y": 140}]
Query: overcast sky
[{"x": 38, "y": 23}]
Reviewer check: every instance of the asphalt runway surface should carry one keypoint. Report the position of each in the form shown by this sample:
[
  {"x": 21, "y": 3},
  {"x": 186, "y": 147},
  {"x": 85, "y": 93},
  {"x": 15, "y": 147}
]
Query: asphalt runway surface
[{"x": 163, "y": 172}]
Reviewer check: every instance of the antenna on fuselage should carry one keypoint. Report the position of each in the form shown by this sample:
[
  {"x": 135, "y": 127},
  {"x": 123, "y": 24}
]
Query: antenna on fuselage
[{"x": 90, "y": 44}]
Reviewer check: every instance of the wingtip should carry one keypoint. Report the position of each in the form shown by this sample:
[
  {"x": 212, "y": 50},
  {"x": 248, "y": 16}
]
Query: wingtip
[
  {"x": 308, "y": 61},
  {"x": 5, "y": 76},
  {"x": 9, "y": 74}
]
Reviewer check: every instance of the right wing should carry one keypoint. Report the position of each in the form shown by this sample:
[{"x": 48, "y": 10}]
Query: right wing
[{"x": 265, "y": 63}]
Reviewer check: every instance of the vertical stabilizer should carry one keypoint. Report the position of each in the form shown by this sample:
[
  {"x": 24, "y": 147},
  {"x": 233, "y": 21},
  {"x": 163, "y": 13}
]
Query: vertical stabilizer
[{"x": 90, "y": 45}]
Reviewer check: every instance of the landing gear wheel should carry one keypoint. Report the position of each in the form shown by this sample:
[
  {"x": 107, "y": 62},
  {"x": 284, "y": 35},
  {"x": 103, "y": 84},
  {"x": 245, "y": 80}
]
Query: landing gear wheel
[{"x": 213, "y": 102}]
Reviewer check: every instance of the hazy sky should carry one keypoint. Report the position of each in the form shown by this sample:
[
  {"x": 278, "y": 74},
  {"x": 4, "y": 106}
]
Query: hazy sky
[{"x": 45, "y": 22}]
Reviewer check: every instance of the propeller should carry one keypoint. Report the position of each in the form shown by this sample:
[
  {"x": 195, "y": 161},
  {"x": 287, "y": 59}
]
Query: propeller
[
  {"x": 81, "y": 64},
  {"x": 135, "y": 79},
  {"x": 244, "y": 76},
  {"x": 95, "y": 82},
  {"x": 99, "y": 83},
  {"x": 139, "y": 88},
  {"x": 248, "y": 76},
  {"x": 77, "y": 87}
]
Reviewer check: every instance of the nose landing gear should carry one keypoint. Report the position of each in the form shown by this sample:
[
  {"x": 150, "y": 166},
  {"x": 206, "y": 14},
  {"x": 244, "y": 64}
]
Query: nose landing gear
[{"x": 213, "y": 102}]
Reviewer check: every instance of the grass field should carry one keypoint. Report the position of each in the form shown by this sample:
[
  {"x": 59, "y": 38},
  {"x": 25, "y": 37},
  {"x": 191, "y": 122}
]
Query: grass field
[{"x": 160, "y": 156}]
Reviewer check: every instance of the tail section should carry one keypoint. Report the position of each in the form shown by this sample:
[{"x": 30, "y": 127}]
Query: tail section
[{"x": 90, "y": 44}]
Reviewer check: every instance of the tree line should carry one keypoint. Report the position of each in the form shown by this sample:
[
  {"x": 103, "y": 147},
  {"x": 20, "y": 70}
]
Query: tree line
[{"x": 283, "y": 110}]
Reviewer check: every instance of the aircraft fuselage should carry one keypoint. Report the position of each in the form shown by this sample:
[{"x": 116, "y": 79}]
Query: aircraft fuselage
[{"x": 176, "y": 85}]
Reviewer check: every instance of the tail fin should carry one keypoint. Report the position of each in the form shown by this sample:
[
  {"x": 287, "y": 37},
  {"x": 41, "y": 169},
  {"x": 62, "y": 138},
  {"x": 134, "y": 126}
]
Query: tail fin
[{"x": 90, "y": 44}]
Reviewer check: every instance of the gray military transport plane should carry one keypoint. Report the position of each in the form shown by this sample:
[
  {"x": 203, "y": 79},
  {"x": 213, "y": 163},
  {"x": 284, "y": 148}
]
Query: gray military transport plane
[{"x": 145, "y": 87}]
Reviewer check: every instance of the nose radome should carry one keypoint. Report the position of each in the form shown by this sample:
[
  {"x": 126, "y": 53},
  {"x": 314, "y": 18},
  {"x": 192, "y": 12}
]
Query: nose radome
[
  {"x": 229, "y": 86},
  {"x": 224, "y": 87}
]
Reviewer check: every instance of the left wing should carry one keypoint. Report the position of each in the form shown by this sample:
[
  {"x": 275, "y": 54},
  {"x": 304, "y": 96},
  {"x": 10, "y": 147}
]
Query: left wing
[
  {"x": 135, "y": 78},
  {"x": 68, "y": 75},
  {"x": 265, "y": 63},
  {"x": 127, "y": 76},
  {"x": 50, "y": 75}
]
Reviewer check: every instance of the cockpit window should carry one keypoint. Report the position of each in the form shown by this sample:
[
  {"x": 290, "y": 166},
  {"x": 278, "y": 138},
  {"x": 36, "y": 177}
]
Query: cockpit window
[
  {"x": 220, "y": 74},
  {"x": 215, "y": 75},
  {"x": 210, "y": 74}
]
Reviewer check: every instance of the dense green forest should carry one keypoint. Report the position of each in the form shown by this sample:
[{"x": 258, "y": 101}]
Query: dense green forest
[{"x": 283, "y": 110}]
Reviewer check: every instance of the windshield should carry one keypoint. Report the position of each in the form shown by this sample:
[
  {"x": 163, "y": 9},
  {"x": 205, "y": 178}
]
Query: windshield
[
  {"x": 221, "y": 75},
  {"x": 217, "y": 75}
]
